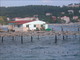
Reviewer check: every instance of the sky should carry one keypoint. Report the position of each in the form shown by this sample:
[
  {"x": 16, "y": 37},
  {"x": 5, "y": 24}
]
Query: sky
[{"x": 10, "y": 3}]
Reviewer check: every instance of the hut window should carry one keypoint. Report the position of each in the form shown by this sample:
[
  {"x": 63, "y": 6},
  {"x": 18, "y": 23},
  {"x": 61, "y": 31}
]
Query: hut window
[
  {"x": 27, "y": 25},
  {"x": 41, "y": 25},
  {"x": 18, "y": 26},
  {"x": 34, "y": 25}
]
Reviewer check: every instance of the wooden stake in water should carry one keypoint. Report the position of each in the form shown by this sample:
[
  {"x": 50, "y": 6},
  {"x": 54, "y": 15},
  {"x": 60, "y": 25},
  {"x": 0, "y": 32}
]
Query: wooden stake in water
[
  {"x": 66, "y": 36},
  {"x": 31, "y": 39},
  {"x": 75, "y": 36},
  {"x": 2, "y": 39},
  {"x": 55, "y": 38},
  {"x": 61, "y": 28},
  {"x": 12, "y": 37},
  {"x": 63, "y": 37},
  {"x": 21, "y": 39},
  {"x": 79, "y": 37},
  {"x": 38, "y": 37},
  {"x": 78, "y": 28}
]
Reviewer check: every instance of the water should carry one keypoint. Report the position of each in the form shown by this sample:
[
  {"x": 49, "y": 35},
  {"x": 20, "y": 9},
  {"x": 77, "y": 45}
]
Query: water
[
  {"x": 74, "y": 27},
  {"x": 4, "y": 28},
  {"x": 42, "y": 49}
]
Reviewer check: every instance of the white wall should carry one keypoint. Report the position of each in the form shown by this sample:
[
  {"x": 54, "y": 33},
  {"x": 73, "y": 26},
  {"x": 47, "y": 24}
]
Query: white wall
[
  {"x": 31, "y": 24},
  {"x": 46, "y": 26},
  {"x": 16, "y": 28}
]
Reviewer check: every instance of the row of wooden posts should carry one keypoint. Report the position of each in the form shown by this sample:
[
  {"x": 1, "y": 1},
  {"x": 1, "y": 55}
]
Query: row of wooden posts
[
  {"x": 56, "y": 38},
  {"x": 2, "y": 38}
]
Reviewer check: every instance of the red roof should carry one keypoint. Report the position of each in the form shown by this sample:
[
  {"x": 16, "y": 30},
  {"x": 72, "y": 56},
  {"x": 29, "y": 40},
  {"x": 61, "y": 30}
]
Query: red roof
[
  {"x": 21, "y": 22},
  {"x": 23, "y": 18}
]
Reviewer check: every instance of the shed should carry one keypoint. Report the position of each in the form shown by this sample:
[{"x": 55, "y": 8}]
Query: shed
[{"x": 27, "y": 25}]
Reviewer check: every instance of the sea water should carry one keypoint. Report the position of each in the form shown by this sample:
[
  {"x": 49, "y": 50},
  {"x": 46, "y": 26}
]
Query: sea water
[{"x": 43, "y": 48}]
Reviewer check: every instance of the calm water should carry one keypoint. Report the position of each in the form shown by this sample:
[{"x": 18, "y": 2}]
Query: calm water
[
  {"x": 4, "y": 28},
  {"x": 42, "y": 49},
  {"x": 65, "y": 27}
]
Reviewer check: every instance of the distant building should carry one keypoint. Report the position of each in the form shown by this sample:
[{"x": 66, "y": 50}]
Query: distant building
[
  {"x": 75, "y": 17},
  {"x": 8, "y": 19},
  {"x": 48, "y": 14},
  {"x": 26, "y": 18},
  {"x": 62, "y": 12},
  {"x": 74, "y": 5},
  {"x": 54, "y": 18},
  {"x": 67, "y": 19},
  {"x": 27, "y": 25},
  {"x": 71, "y": 11},
  {"x": 79, "y": 11}
]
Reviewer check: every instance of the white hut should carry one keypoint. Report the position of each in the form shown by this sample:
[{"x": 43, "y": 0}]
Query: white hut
[{"x": 27, "y": 25}]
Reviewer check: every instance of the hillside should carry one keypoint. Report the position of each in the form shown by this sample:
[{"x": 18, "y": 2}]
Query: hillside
[{"x": 40, "y": 10}]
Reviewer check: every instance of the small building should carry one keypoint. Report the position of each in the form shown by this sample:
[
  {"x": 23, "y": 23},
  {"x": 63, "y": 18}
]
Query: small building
[
  {"x": 62, "y": 12},
  {"x": 26, "y": 18},
  {"x": 8, "y": 19},
  {"x": 54, "y": 17},
  {"x": 67, "y": 19},
  {"x": 75, "y": 17},
  {"x": 71, "y": 11},
  {"x": 74, "y": 5},
  {"x": 79, "y": 11},
  {"x": 27, "y": 25},
  {"x": 48, "y": 14}
]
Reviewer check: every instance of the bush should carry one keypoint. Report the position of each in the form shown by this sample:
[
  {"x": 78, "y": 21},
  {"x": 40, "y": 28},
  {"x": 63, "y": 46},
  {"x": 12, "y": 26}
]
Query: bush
[
  {"x": 73, "y": 20},
  {"x": 42, "y": 29},
  {"x": 37, "y": 29},
  {"x": 48, "y": 29}
]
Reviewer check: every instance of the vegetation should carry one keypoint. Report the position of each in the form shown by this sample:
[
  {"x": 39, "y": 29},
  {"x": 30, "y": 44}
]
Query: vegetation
[
  {"x": 40, "y": 10},
  {"x": 3, "y": 20},
  {"x": 73, "y": 20}
]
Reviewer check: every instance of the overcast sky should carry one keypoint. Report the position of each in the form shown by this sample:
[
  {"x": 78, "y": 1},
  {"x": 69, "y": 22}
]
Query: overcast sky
[{"x": 8, "y": 3}]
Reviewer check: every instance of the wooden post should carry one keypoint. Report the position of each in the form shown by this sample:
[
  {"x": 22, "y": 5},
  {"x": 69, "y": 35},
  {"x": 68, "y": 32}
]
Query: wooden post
[
  {"x": 78, "y": 28},
  {"x": 55, "y": 38},
  {"x": 31, "y": 39},
  {"x": 38, "y": 37},
  {"x": 79, "y": 37},
  {"x": 61, "y": 28},
  {"x": 66, "y": 36},
  {"x": 21, "y": 39},
  {"x": 12, "y": 37},
  {"x": 63, "y": 37},
  {"x": 75, "y": 36},
  {"x": 2, "y": 39}
]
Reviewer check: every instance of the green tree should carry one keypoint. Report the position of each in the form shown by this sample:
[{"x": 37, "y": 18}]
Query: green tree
[{"x": 3, "y": 20}]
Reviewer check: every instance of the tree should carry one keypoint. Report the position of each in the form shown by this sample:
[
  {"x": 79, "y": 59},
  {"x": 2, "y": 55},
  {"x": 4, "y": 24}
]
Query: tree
[
  {"x": 73, "y": 20},
  {"x": 60, "y": 21},
  {"x": 40, "y": 10},
  {"x": 3, "y": 20}
]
